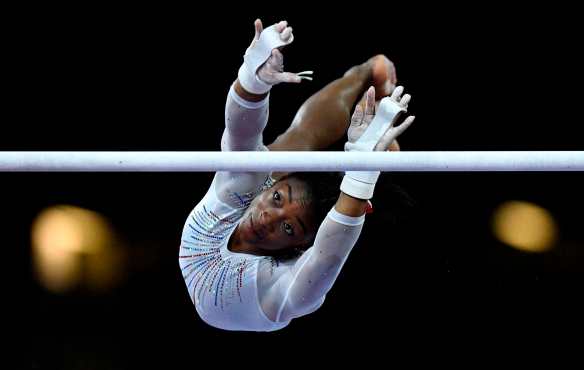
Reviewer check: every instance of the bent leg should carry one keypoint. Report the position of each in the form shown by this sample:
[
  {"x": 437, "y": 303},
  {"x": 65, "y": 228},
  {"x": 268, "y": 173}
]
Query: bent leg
[{"x": 324, "y": 118}]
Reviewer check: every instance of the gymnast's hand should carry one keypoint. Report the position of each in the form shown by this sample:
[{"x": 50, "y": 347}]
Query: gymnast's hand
[
  {"x": 372, "y": 130},
  {"x": 363, "y": 117},
  {"x": 272, "y": 71}
]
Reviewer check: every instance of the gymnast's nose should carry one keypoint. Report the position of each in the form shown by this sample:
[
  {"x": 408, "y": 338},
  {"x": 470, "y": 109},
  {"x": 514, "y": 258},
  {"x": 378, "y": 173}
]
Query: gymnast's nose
[{"x": 269, "y": 218}]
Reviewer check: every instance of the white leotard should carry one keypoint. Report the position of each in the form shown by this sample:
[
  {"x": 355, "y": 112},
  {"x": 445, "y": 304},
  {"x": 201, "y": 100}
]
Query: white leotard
[{"x": 235, "y": 291}]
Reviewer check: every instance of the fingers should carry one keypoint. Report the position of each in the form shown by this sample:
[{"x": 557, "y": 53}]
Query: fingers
[
  {"x": 404, "y": 126},
  {"x": 284, "y": 31},
  {"x": 370, "y": 102},
  {"x": 392, "y": 133},
  {"x": 286, "y": 35},
  {"x": 259, "y": 28},
  {"x": 397, "y": 93},
  {"x": 358, "y": 115},
  {"x": 365, "y": 114},
  {"x": 281, "y": 26},
  {"x": 277, "y": 60},
  {"x": 405, "y": 100}
]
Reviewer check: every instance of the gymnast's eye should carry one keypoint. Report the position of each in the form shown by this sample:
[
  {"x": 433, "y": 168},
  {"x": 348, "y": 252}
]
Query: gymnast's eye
[{"x": 288, "y": 229}]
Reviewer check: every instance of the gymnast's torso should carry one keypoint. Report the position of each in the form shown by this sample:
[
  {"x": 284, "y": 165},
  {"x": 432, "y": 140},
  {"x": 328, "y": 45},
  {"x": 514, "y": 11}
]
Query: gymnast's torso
[
  {"x": 243, "y": 292},
  {"x": 223, "y": 285}
]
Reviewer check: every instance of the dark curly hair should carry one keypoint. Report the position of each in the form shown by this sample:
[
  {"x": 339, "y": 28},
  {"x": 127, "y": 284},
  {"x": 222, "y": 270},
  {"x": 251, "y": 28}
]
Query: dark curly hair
[{"x": 322, "y": 192}]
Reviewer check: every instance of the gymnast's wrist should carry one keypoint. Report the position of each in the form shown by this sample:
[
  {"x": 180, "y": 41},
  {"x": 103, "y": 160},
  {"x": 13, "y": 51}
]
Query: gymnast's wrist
[
  {"x": 360, "y": 184},
  {"x": 347, "y": 206},
  {"x": 251, "y": 82},
  {"x": 246, "y": 95}
]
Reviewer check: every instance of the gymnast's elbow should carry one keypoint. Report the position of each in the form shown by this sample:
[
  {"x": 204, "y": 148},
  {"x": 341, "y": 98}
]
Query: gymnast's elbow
[
  {"x": 294, "y": 310},
  {"x": 230, "y": 142}
]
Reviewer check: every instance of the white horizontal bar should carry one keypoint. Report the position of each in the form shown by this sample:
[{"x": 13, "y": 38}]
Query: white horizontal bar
[{"x": 289, "y": 161}]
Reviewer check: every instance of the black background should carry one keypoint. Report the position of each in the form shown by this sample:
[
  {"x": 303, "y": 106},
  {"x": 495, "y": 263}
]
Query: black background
[{"x": 481, "y": 79}]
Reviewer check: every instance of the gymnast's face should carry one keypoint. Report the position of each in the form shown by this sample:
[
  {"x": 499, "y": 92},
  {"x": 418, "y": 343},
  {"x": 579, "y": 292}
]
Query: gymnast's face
[{"x": 279, "y": 218}]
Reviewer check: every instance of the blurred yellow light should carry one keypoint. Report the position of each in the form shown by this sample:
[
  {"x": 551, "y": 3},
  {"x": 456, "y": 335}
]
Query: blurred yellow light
[
  {"x": 74, "y": 247},
  {"x": 525, "y": 226}
]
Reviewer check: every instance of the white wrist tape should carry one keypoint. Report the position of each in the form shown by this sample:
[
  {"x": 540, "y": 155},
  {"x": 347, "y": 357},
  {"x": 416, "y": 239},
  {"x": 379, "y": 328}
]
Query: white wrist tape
[
  {"x": 361, "y": 184},
  {"x": 256, "y": 56}
]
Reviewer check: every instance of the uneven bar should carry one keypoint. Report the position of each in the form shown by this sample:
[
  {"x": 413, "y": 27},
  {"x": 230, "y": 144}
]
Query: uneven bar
[{"x": 290, "y": 161}]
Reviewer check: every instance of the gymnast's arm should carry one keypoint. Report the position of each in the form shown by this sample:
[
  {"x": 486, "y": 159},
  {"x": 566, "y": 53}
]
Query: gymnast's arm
[
  {"x": 246, "y": 116},
  {"x": 246, "y": 111},
  {"x": 301, "y": 289}
]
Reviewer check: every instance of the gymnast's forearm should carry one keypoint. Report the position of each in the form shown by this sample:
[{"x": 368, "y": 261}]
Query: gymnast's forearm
[
  {"x": 350, "y": 206},
  {"x": 246, "y": 95},
  {"x": 316, "y": 272},
  {"x": 247, "y": 105},
  {"x": 246, "y": 116}
]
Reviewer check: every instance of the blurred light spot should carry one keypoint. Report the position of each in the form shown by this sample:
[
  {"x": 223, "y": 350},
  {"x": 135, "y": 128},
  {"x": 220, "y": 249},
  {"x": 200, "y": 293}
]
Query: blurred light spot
[
  {"x": 525, "y": 226},
  {"x": 74, "y": 248}
]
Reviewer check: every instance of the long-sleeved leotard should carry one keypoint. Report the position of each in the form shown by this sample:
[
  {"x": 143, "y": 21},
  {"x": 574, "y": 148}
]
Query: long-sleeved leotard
[{"x": 236, "y": 291}]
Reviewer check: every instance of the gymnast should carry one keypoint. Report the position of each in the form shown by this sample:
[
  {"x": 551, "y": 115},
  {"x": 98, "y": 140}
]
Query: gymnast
[{"x": 261, "y": 249}]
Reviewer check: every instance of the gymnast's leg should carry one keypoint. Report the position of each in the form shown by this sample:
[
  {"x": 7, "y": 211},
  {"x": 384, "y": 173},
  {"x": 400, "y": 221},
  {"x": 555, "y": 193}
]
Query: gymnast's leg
[{"x": 324, "y": 118}]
